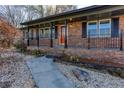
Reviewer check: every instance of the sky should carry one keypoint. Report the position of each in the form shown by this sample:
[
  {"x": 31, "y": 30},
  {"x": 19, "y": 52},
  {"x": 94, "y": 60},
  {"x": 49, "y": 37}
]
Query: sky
[{"x": 81, "y": 6}]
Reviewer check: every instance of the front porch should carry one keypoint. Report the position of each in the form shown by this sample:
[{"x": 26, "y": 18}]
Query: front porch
[
  {"x": 75, "y": 42},
  {"x": 100, "y": 30}
]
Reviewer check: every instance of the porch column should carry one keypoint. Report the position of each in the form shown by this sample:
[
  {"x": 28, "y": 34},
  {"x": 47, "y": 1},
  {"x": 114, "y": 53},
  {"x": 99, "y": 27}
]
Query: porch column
[
  {"x": 65, "y": 23},
  {"x": 51, "y": 35},
  {"x": 37, "y": 36},
  {"x": 28, "y": 37},
  {"x": 121, "y": 41}
]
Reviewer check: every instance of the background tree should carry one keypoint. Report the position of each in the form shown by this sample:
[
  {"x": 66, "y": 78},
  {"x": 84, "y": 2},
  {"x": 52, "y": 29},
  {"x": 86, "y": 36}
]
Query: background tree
[
  {"x": 8, "y": 34},
  {"x": 34, "y": 11},
  {"x": 18, "y": 14},
  {"x": 64, "y": 8},
  {"x": 13, "y": 14}
]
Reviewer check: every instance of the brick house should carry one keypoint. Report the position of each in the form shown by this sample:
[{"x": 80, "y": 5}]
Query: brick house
[{"x": 93, "y": 27}]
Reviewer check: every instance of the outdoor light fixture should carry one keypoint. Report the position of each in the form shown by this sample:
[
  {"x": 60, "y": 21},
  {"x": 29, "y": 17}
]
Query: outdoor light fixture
[
  {"x": 70, "y": 19},
  {"x": 71, "y": 25},
  {"x": 71, "y": 22}
]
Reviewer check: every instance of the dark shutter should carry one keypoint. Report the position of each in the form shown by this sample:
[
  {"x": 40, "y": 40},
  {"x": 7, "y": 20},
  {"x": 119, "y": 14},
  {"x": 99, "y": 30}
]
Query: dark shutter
[
  {"x": 32, "y": 34},
  {"x": 24, "y": 34},
  {"x": 115, "y": 27},
  {"x": 84, "y": 29},
  {"x": 56, "y": 32}
]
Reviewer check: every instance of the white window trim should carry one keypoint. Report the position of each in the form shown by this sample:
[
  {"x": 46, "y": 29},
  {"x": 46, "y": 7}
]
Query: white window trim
[
  {"x": 40, "y": 29},
  {"x": 43, "y": 30},
  {"x": 98, "y": 27},
  {"x": 110, "y": 27},
  {"x": 96, "y": 21}
]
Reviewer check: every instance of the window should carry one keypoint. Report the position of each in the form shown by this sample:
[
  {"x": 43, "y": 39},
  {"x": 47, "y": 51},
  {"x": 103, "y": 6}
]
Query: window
[
  {"x": 45, "y": 33},
  {"x": 41, "y": 33},
  {"x": 53, "y": 33},
  {"x": 25, "y": 34},
  {"x": 101, "y": 28},
  {"x": 34, "y": 34},
  {"x": 30, "y": 34},
  {"x": 105, "y": 28},
  {"x": 92, "y": 29}
]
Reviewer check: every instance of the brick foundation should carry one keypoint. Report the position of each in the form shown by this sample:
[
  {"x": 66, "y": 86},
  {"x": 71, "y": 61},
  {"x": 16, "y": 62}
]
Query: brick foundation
[
  {"x": 33, "y": 42},
  {"x": 108, "y": 57},
  {"x": 44, "y": 42}
]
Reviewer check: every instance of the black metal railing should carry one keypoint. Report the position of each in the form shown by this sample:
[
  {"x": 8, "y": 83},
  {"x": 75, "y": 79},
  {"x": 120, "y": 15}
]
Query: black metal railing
[{"x": 94, "y": 41}]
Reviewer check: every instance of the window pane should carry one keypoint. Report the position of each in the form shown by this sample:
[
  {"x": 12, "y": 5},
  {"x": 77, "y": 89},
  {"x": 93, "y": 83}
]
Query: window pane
[
  {"x": 53, "y": 33},
  {"x": 92, "y": 29},
  {"x": 34, "y": 33},
  {"x": 105, "y": 28},
  {"x": 30, "y": 33},
  {"x": 47, "y": 33},
  {"x": 41, "y": 33}
]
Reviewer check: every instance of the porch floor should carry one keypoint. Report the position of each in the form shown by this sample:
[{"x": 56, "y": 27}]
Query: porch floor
[{"x": 62, "y": 47}]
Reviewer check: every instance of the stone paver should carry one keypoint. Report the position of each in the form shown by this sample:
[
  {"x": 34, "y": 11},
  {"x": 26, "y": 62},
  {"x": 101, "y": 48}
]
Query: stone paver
[{"x": 46, "y": 74}]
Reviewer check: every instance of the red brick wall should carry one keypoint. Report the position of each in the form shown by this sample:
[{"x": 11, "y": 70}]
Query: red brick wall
[
  {"x": 121, "y": 23},
  {"x": 33, "y": 42},
  {"x": 74, "y": 34},
  {"x": 121, "y": 26},
  {"x": 44, "y": 42},
  {"x": 74, "y": 28}
]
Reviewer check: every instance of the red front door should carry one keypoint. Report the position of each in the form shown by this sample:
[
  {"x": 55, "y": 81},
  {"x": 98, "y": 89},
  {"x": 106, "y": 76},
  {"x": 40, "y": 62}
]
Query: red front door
[{"x": 62, "y": 36}]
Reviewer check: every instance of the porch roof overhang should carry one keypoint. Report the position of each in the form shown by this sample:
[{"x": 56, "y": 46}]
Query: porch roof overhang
[{"x": 112, "y": 10}]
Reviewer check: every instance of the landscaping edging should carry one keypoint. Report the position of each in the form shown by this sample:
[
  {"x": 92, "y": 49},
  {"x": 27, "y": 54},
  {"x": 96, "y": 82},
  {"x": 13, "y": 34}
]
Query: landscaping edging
[{"x": 115, "y": 71}]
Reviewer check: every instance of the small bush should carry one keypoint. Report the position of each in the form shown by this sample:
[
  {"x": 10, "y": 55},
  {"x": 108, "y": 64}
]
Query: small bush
[
  {"x": 21, "y": 46},
  {"x": 36, "y": 52},
  {"x": 75, "y": 58},
  {"x": 71, "y": 58}
]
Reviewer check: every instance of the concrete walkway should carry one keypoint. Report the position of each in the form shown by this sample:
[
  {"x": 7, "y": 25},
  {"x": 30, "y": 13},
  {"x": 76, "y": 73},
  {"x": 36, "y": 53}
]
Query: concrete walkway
[{"x": 46, "y": 74}]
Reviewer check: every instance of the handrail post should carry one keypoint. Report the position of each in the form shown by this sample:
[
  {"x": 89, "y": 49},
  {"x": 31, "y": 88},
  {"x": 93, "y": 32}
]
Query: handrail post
[
  {"x": 37, "y": 37},
  {"x": 28, "y": 42},
  {"x": 51, "y": 35},
  {"x": 65, "y": 24},
  {"x": 88, "y": 40},
  {"x": 121, "y": 41}
]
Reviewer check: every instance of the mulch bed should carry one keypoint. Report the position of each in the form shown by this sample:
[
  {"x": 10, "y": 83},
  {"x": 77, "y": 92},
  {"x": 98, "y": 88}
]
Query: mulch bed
[{"x": 116, "y": 71}]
